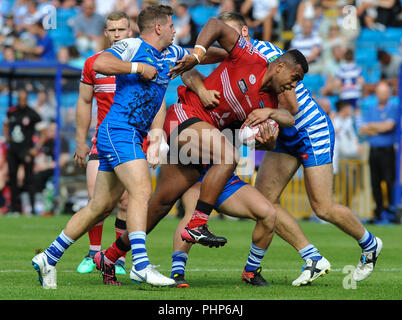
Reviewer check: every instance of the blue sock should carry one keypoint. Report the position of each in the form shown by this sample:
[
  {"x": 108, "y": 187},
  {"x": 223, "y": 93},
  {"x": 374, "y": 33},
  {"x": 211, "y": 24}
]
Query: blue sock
[
  {"x": 179, "y": 259},
  {"x": 254, "y": 258},
  {"x": 57, "y": 248},
  {"x": 140, "y": 256},
  {"x": 368, "y": 242},
  {"x": 310, "y": 252}
]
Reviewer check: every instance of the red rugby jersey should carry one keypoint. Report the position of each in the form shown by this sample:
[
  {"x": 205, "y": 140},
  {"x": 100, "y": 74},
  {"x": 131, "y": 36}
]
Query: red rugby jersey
[
  {"x": 238, "y": 79},
  {"x": 104, "y": 87}
]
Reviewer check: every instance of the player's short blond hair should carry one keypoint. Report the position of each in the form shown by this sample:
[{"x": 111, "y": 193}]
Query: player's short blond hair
[{"x": 118, "y": 15}]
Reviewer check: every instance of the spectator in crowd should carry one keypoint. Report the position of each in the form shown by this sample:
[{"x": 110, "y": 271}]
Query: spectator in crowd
[
  {"x": 63, "y": 56},
  {"x": 42, "y": 49},
  {"x": 262, "y": 16},
  {"x": 32, "y": 16},
  {"x": 186, "y": 30},
  {"x": 45, "y": 109},
  {"x": 310, "y": 44},
  {"x": 366, "y": 11},
  {"x": 350, "y": 80},
  {"x": 290, "y": 11},
  {"x": 131, "y": 7},
  {"x": 19, "y": 129},
  {"x": 347, "y": 144},
  {"x": 310, "y": 10},
  {"x": 8, "y": 54},
  {"x": 333, "y": 38},
  {"x": 377, "y": 15},
  {"x": 8, "y": 32},
  {"x": 45, "y": 160},
  {"x": 104, "y": 7},
  {"x": 331, "y": 66},
  {"x": 379, "y": 125},
  {"x": 390, "y": 67},
  {"x": 88, "y": 28},
  {"x": 19, "y": 11},
  {"x": 3, "y": 178},
  {"x": 76, "y": 60}
]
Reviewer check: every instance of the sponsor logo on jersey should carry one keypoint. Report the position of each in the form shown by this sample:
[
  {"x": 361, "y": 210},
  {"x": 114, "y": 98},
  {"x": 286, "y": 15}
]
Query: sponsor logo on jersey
[
  {"x": 242, "y": 86},
  {"x": 242, "y": 43},
  {"x": 100, "y": 76}
]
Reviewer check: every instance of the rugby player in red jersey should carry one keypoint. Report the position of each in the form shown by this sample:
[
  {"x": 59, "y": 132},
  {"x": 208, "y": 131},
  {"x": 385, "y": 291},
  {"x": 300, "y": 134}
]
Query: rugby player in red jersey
[{"x": 102, "y": 88}]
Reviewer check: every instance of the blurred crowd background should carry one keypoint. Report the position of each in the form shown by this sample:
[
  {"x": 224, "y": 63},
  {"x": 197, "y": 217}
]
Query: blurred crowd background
[{"x": 354, "y": 50}]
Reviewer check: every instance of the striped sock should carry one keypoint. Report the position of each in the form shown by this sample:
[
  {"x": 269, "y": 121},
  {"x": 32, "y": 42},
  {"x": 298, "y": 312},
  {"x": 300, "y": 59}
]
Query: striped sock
[
  {"x": 368, "y": 242},
  {"x": 140, "y": 256},
  {"x": 310, "y": 252},
  {"x": 57, "y": 248},
  {"x": 179, "y": 259},
  {"x": 254, "y": 258}
]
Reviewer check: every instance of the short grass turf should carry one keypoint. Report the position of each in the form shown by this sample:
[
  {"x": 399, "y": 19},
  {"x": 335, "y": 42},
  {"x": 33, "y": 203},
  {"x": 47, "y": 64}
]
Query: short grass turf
[{"x": 213, "y": 273}]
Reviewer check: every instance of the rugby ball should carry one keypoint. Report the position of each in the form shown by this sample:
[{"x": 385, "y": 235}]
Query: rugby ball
[{"x": 248, "y": 134}]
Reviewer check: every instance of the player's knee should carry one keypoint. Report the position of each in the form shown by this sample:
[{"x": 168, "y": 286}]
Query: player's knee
[
  {"x": 267, "y": 214},
  {"x": 100, "y": 208},
  {"x": 322, "y": 212}
]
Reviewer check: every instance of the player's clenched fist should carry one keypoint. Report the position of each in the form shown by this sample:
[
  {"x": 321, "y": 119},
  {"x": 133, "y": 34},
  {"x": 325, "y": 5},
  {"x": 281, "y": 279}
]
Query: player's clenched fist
[
  {"x": 146, "y": 71},
  {"x": 149, "y": 72}
]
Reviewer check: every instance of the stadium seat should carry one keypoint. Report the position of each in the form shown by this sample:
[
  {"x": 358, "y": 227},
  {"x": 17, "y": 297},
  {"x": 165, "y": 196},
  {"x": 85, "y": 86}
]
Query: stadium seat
[
  {"x": 69, "y": 99},
  {"x": 371, "y": 72},
  {"x": 201, "y": 13},
  {"x": 368, "y": 102},
  {"x": 314, "y": 82},
  {"x": 365, "y": 56}
]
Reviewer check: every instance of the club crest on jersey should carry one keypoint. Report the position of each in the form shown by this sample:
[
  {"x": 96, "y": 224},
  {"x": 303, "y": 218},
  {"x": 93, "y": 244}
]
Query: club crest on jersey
[
  {"x": 252, "y": 79},
  {"x": 242, "y": 86},
  {"x": 261, "y": 104}
]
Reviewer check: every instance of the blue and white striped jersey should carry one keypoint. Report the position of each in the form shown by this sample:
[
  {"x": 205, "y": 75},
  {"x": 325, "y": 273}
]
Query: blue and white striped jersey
[
  {"x": 136, "y": 102},
  {"x": 349, "y": 74},
  {"x": 310, "y": 113}
]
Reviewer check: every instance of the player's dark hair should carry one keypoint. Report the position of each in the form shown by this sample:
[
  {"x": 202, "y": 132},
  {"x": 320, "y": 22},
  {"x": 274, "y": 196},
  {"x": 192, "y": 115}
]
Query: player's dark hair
[
  {"x": 294, "y": 57},
  {"x": 152, "y": 15},
  {"x": 118, "y": 15},
  {"x": 233, "y": 16}
]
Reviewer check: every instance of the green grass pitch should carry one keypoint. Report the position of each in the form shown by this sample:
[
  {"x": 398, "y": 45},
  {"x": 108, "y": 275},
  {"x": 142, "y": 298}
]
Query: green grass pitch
[{"x": 212, "y": 273}]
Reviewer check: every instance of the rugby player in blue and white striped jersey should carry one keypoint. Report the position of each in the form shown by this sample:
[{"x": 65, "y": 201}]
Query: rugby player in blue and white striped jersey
[{"x": 310, "y": 143}]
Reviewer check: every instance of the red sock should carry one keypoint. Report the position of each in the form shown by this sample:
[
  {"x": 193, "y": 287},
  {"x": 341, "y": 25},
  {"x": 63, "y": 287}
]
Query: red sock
[
  {"x": 201, "y": 214},
  {"x": 116, "y": 250},
  {"x": 198, "y": 219},
  {"x": 114, "y": 253},
  {"x": 95, "y": 237}
]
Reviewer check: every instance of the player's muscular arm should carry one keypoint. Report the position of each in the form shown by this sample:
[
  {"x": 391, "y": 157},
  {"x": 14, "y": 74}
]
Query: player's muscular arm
[
  {"x": 83, "y": 116},
  {"x": 155, "y": 136},
  {"x": 194, "y": 80},
  {"x": 214, "y": 30},
  {"x": 288, "y": 101},
  {"x": 282, "y": 116},
  {"x": 108, "y": 64}
]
